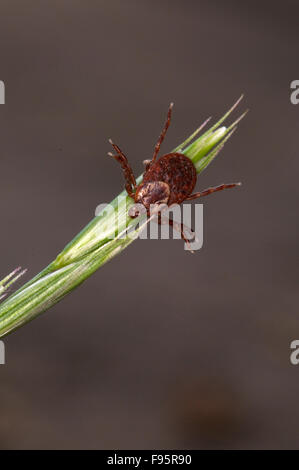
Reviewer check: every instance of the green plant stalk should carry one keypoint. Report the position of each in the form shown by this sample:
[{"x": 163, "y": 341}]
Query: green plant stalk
[
  {"x": 103, "y": 238},
  {"x": 9, "y": 280}
]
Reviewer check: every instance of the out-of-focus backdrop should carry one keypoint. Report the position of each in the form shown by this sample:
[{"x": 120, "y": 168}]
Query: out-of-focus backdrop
[{"x": 160, "y": 348}]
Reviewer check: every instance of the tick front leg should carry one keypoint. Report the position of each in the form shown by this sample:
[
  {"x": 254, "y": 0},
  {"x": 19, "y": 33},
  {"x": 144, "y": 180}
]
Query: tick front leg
[
  {"x": 208, "y": 191},
  {"x": 130, "y": 181},
  {"x": 163, "y": 133}
]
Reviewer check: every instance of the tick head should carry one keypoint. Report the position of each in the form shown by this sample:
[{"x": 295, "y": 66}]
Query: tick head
[{"x": 152, "y": 192}]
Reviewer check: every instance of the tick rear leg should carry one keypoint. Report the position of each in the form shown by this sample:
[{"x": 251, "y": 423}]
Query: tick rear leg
[
  {"x": 179, "y": 227},
  {"x": 130, "y": 181},
  {"x": 163, "y": 133},
  {"x": 208, "y": 191}
]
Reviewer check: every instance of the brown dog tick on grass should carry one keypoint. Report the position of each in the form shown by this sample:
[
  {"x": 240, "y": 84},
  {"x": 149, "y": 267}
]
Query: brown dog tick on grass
[{"x": 168, "y": 180}]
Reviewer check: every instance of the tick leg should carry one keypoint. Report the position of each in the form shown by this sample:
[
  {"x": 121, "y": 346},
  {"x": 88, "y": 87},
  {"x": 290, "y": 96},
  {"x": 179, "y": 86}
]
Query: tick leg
[
  {"x": 146, "y": 164},
  {"x": 127, "y": 170},
  {"x": 179, "y": 227},
  {"x": 161, "y": 138},
  {"x": 208, "y": 191}
]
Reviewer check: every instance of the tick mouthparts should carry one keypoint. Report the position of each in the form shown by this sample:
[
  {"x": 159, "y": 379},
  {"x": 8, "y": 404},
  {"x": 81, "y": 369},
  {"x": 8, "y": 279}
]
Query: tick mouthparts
[
  {"x": 239, "y": 184},
  {"x": 171, "y": 105}
]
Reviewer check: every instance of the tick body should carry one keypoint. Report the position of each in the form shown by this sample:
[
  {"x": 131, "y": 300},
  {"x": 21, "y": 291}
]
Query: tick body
[
  {"x": 168, "y": 180},
  {"x": 177, "y": 174}
]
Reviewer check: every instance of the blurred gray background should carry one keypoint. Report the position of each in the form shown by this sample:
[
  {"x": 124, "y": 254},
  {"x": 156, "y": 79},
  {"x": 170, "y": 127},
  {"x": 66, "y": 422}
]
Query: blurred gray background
[{"x": 160, "y": 348}]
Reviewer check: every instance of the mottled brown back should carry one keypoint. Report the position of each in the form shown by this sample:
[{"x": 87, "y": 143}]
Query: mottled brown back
[{"x": 177, "y": 171}]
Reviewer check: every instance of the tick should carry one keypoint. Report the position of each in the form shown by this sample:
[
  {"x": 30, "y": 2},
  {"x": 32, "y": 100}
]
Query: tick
[{"x": 168, "y": 180}]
